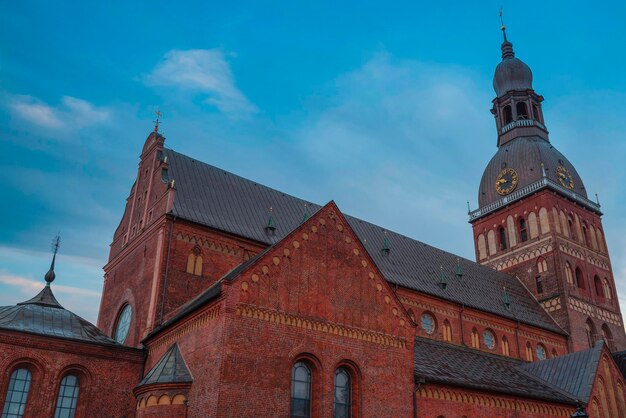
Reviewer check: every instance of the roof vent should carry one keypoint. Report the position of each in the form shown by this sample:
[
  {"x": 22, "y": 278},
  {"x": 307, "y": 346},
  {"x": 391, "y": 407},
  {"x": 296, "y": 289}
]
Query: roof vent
[
  {"x": 385, "y": 250},
  {"x": 270, "y": 228},
  {"x": 459, "y": 272},
  {"x": 442, "y": 279}
]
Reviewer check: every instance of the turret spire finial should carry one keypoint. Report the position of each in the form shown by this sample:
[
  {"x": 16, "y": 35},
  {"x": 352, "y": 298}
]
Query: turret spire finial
[
  {"x": 49, "y": 277},
  {"x": 507, "y": 47},
  {"x": 157, "y": 120}
]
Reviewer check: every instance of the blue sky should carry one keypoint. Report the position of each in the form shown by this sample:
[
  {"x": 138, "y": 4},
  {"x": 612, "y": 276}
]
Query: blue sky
[{"x": 383, "y": 107}]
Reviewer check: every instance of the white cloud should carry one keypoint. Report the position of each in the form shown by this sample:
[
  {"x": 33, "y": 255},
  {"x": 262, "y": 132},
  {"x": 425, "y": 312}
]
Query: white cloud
[
  {"x": 29, "y": 286},
  {"x": 71, "y": 113},
  {"x": 203, "y": 71}
]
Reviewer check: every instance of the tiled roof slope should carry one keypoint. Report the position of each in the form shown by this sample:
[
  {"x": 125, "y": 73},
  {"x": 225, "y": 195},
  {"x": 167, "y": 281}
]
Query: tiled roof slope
[
  {"x": 620, "y": 360},
  {"x": 449, "y": 364},
  {"x": 171, "y": 368},
  {"x": 574, "y": 373},
  {"x": 224, "y": 201},
  {"x": 43, "y": 315}
]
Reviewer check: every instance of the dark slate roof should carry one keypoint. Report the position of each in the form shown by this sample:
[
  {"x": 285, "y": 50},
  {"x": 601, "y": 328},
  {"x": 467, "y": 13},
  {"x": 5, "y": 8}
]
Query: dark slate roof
[
  {"x": 449, "y": 364},
  {"x": 171, "y": 368},
  {"x": 620, "y": 360},
  {"x": 224, "y": 201},
  {"x": 525, "y": 155},
  {"x": 43, "y": 315},
  {"x": 574, "y": 373}
]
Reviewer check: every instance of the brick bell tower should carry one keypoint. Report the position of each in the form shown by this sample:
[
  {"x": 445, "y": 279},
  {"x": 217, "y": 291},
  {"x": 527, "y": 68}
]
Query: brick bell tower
[{"x": 535, "y": 220}]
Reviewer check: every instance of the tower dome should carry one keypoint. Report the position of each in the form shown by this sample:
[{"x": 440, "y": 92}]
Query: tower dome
[{"x": 512, "y": 73}]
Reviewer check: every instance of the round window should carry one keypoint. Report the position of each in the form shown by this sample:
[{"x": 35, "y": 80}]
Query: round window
[
  {"x": 489, "y": 339},
  {"x": 123, "y": 324},
  {"x": 428, "y": 323},
  {"x": 541, "y": 352}
]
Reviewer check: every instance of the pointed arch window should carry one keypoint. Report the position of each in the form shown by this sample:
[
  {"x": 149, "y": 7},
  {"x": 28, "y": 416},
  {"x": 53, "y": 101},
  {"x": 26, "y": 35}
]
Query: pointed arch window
[
  {"x": 300, "y": 390},
  {"x": 505, "y": 346},
  {"x": 597, "y": 284},
  {"x": 123, "y": 323},
  {"x": 608, "y": 336},
  {"x": 580, "y": 279},
  {"x": 502, "y": 237},
  {"x": 475, "y": 338},
  {"x": 607, "y": 289},
  {"x": 585, "y": 231},
  {"x": 572, "y": 230},
  {"x": 17, "y": 394},
  {"x": 68, "y": 397},
  {"x": 542, "y": 265},
  {"x": 446, "y": 331},
  {"x": 590, "y": 330},
  {"x": 529, "y": 352},
  {"x": 343, "y": 394},
  {"x": 569, "y": 274},
  {"x": 523, "y": 230},
  {"x": 522, "y": 110},
  {"x": 194, "y": 261}
]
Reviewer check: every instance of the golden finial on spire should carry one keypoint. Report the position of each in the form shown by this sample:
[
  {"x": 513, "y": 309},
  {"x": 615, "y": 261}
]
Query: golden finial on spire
[{"x": 158, "y": 119}]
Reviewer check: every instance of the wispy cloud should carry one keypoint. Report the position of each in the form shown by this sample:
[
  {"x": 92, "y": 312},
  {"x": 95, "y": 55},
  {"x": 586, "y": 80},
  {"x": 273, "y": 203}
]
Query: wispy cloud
[
  {"x": 29, "y": 286},
  {"x": 205, "y": 72},
  {"x": 70, "y": 113}
]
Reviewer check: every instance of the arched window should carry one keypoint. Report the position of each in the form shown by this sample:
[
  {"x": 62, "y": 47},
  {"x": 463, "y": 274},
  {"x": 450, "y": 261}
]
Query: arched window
[
  {"x": 536, "y": 113},
  {"x": 597, "y": 284},
  {"x": 475, "y": 338},
  {"x": 554, "y": 353},
  {"x": 572, "y": 229},
  {"x": 541, "y": 352},
  {"x": 599, "y": 237},
  {"x": 123, "y": 324},
  {"x": 502, "y": 237},
  {"x": 300, "y": 390},
  {"x": 529, "y": 352},
  {"x": 446, "y": 331},
  {"x": 585, "y": 231},
  {"x": 542, "y": 266},
  {"x": 523, "y": 231},
  {"x": 194, "y": 261},
  {"x": 522, "y": 110},
  {"x": 580, "y": 279},
  {"x": 569, "y": 275},
  {"x": 67, "y": 398},
  {"x": 607, "y": 289},
  {"x": 17, "y": 394},
  {"x": 505, "y": 346},
  {"x": 590, "y": 330},
  {"x": 508, "y": 114},
  {"x": 539, "y": 284},
  {"x": 608, "y": 336},
  {"x": 343, "y": 394}
]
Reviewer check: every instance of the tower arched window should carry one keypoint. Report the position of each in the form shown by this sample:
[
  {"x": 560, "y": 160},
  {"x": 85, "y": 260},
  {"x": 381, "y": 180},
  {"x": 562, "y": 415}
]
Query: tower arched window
[
  {"x": 342, "y": 406},
  {"x": 590, "y": 330},
  {"x": 597, "y": 284},
  {"x": 569, "y": 274},
  {"x": 300, "y": 390},
  {"x": 537, "y": 113},
  {"x": 123, "y": 323},
  {"x": 508, "y": 114},
  {"x": 585, "y": 237},
  {"x": 580, "y": 279},
  {"x": 502, "y": 238},
  {"x": 67, "y": 397},
  {"x": 17, "y": 394},
  {"x": 608, "y": 336},
  {"x": 542, "y": 265},
  {"x": 607, "y": 289},
  {"x": 523, "y": 230},
  {"x": 522, "y": 110},
  {"x": 572, "y": 230}
]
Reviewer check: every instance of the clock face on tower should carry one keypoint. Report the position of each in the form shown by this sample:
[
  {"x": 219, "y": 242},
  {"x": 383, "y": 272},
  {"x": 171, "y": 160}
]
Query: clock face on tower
[
  {"x": 506, "y": 181},
  {"x": 565, "y": 178}
]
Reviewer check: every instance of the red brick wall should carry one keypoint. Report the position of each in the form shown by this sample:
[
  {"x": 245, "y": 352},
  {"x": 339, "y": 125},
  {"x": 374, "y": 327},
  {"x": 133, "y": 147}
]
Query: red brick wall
[
  {"x": 434, "y": 401},
  {"x": 107, "y": 374},
  {"x": 608, "y": 395},
  {"x": 557, "y": 249}
]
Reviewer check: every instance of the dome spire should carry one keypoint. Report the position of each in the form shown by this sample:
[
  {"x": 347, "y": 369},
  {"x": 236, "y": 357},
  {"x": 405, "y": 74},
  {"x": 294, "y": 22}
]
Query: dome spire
[
  {"x": 49, "y": 277},
  {"x": 507, "y": 47}
]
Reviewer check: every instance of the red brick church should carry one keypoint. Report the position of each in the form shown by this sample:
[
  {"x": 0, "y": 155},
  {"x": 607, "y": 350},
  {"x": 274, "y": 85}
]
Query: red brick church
[{"x": 226, "y": 298}]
